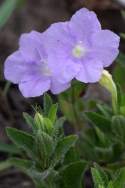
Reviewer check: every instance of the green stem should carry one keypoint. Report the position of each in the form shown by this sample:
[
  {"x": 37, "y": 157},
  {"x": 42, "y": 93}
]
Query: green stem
[
  {"x": 114, "y": 103},
  {"x": 6, "y": 88},
  {"x": 77, "y": 122}
]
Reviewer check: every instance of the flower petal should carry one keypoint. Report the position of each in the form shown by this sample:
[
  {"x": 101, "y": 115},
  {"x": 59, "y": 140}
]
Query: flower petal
[
  {"x": 63, "y": 68},
  {"x": 105, "y": 46},
  {"x": 69, "y": 72},
  {"x": 57, "y": 38},
  {"x": 34, "y": 87},
  {"x": 83, "y": 23},
  {"x": 90, "y": 72},
  {"x": 31, "y": 46},
  {"x": 14, "y": 67},
  {"x": 17, "y": 70},
  {"x": 57, "y": 87}
]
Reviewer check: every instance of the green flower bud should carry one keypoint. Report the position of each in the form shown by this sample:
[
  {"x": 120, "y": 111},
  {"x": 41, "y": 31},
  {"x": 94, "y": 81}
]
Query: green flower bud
[
  {"x": 39, "y": 121},
  {"x": 107, "y": 82}
]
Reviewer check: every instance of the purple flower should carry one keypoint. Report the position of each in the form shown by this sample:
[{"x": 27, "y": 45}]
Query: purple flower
[
  {"x": 34, "y": 70},
  {"x": 66, "y": 50},
  {"x": 83, "y": 43}
]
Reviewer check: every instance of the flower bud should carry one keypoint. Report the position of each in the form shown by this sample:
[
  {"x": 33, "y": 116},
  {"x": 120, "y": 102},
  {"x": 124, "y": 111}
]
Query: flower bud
[
  {"x": 107, "y": 82},
  {"x": 39, "y": 121}
]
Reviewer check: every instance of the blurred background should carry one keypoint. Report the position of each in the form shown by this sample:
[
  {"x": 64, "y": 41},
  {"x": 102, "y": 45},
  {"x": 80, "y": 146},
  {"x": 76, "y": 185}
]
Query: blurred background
[{"x": 20, "y": 16}]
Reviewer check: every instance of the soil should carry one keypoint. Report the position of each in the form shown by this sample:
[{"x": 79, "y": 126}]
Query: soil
[
  {"x": 38, "y": 15},
  {"x": 14, "y": 179}
]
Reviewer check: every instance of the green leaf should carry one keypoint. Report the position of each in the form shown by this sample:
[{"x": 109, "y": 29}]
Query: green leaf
[
  {"x": 77, "y": 89},
  {"x": 63, "y": 147},
  {"x": 118, "y": 72},
  {"x": 53, "y": 113},
  {"x": 119, "y": 95},
  {"x": 118, "y": 127},
  {"x": 119, "y": 181},
  {"x": 96, "y": 177},
  {"x": 99, "y": 177},
  {"x": 101, "y": 186},
  {"x": 103, "y": 110},
  {"x": 9, "y": 148},
  {"x": 48, "y": 126},
  {"x": 110, "y": 185},
  {"x": 101, "y": 136},
  {"x": 122, "y": 35},
  {"x": 28, "y": 167},
  {"x": 58, "y": 128},
  {"x": 6, "y": 10},
  {"x": 103, "y": 174},
  {"x": 59, "y": 122},
  {"x": 72, "y": 156},
  {"x": 29, "y": 120},
  {"x": 38, "y": 120},
  {"x": 23, "y": 140},
  {"x": 42, "y": 123},
  {"x": 122, "y": 110},
  {"x": 67, "y": 109},
  {"x": 72, "y": 174},
  {"x": 5, "y": 164},
  {"x": 44, "y": 148},
  {"x": 22, "y": 164},
  {"x": 47, "y": 103},
  {"x": 99, "y": 120},
  {"x": 44, "y": 179},
  {"x": 104, "y": 153},
  {"x": 40, "y": 184},
  {"x": 121, "y": 58}
]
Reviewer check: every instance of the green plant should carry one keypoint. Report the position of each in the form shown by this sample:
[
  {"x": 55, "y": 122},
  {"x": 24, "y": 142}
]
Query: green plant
[{"x": 47, "y": 155}]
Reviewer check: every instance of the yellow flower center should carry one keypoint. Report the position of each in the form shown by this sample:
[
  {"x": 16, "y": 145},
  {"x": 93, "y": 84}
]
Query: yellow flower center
[{"x": 78, "y": 51}]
